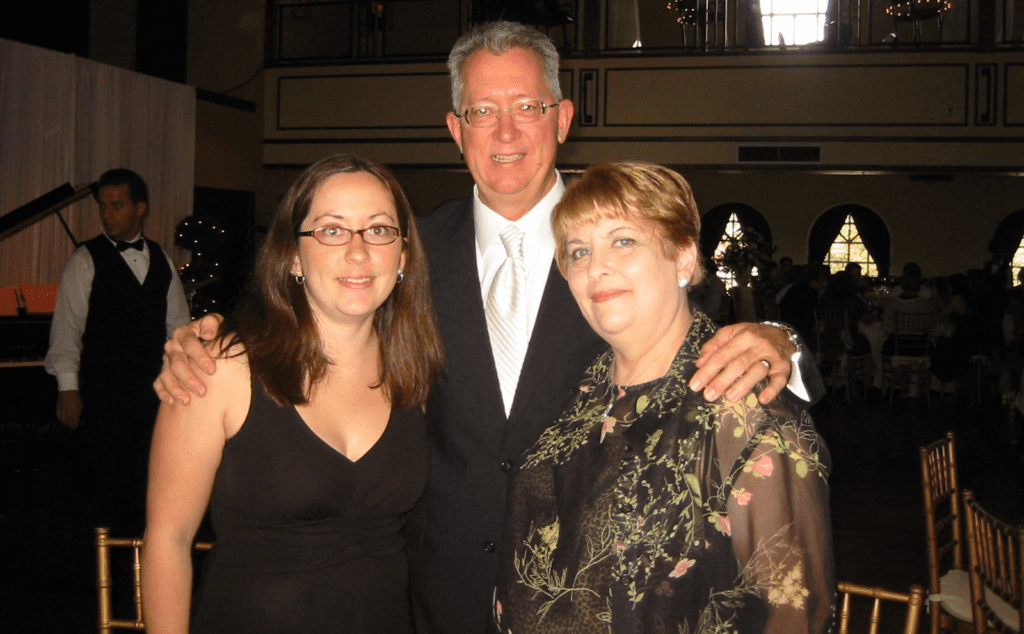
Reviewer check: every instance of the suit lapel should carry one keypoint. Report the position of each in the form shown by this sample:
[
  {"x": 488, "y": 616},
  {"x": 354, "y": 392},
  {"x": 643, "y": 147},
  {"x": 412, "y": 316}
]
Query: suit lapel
[
  {"x": 559, "y": 324},
  {"x": 459, "y": 305}
]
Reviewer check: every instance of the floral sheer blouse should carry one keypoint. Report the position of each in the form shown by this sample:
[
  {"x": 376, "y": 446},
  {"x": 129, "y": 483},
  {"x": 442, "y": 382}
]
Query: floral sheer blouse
[{"x": 647, "y": 509}]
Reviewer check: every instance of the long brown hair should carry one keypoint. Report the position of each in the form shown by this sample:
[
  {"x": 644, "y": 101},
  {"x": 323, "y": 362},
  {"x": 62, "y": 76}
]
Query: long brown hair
[{"x": 276, "y": 326}]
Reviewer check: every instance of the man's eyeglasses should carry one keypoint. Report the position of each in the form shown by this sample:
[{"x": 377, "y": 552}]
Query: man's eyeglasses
[
  {"x": 524, "y": 111},
  {"x": 335, "y": 236}
]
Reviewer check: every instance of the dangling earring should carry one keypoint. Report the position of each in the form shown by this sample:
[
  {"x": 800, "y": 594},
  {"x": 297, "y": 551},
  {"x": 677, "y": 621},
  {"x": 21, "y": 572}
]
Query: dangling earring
[
  {"x": 401, "y": 276},
  {"x": 299, "y": 279},
  {"x": 683, "y": 282}
]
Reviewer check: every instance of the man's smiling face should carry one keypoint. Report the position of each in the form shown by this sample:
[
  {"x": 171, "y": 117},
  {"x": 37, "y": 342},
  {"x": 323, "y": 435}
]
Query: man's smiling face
[{"x": 512, "y": 163}]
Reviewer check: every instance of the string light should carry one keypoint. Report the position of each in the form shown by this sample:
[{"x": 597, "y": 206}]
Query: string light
[{"x": 203, "y": 237}]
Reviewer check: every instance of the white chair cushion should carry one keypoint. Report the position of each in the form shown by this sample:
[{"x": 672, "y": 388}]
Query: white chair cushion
[{"x": 955, "y": 595}]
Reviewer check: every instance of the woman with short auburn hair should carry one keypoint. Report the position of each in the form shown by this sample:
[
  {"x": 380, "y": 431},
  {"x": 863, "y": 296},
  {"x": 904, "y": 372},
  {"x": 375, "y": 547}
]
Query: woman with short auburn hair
[{"x": 645, "y": 508}]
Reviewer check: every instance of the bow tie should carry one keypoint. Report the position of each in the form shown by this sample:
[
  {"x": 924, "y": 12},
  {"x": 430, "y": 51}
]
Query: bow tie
[{"x": 122, "y": 245}]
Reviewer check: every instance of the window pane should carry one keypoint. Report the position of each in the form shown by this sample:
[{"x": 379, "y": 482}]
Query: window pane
[
  {"x": 793, "y": 6},
  {"x": 784, "y": 24},
  {"x": 858, "y": 253},
  {"x": 799, "y": 21},
  {"x": 805, "y": 29},
  {"x": 733, "y": 231},
  {"x": 849, "y": 247},
  {"x": 1017, "y": 263}
]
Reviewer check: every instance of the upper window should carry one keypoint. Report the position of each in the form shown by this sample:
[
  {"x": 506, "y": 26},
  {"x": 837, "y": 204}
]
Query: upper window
[
  {"x": 796, "y": 21},
  {"x": 849, "y": 247}
]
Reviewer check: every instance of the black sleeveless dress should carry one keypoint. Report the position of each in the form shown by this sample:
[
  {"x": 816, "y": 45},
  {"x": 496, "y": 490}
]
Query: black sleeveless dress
[{"x": 307, "y": 540}]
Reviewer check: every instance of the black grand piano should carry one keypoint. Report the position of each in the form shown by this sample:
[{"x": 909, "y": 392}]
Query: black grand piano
[{"x": 24, "y": 337}]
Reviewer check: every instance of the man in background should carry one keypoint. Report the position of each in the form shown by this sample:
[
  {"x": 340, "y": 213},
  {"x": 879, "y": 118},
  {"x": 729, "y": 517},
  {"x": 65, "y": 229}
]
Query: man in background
[{"x": 119, "y": 299}]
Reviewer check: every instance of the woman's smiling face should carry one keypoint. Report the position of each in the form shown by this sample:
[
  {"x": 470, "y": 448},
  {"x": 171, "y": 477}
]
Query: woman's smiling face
[
  {"x": 626, "y": 279},
  {"x": 348, "y": 283}
]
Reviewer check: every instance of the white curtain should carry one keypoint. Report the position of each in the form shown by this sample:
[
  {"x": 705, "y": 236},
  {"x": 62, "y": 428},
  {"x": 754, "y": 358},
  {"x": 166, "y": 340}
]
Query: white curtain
[{"x": 67, "y": 120}]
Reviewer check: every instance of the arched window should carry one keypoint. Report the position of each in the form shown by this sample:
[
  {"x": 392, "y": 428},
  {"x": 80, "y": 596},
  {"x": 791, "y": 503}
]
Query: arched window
[
  {"x": 732, "y": 234},
  {"x": 848, "y": 247},
  {"x": 1017, "y": 263},
  {"x": 850, "y": 233},
  {"x": 727, "y": 224},
  {"x": 1008, "y": 243}
]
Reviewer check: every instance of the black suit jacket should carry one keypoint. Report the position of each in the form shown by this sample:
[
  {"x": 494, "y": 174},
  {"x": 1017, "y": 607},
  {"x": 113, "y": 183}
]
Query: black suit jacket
[{"x": 454, "y": 530}]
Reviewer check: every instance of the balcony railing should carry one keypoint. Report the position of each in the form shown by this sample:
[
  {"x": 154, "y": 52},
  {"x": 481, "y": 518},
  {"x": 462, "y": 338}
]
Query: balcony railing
[{"x": 342, "y": 31}]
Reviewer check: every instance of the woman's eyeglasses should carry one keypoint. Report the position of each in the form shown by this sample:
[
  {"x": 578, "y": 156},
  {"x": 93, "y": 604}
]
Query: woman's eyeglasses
[{"x": 335, "y": 236}]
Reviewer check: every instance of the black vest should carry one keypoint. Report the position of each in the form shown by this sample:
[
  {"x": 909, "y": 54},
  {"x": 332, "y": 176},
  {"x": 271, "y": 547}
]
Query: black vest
[{"x": 125, "y": 330}]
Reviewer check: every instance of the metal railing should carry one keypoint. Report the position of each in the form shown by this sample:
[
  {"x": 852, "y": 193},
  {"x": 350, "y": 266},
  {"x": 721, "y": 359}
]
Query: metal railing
[{"x": 310, "y": 32}]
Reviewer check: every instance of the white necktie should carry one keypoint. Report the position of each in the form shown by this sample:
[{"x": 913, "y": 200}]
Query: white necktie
[{"x": 506, "y": 314}]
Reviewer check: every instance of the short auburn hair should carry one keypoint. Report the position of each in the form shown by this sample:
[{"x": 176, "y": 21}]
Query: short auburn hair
[{"x": 640, "y": 192}]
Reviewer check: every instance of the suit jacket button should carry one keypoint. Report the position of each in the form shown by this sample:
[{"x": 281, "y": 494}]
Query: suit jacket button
[
  {"x": 506, "y": 466},
  {"x": 489, "y": 547}
]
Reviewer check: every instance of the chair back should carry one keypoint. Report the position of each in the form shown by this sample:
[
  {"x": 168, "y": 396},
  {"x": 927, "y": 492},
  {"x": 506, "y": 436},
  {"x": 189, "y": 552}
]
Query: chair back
[
  {"x": 831, "y": 322},
  {"x": 996, "y": 568},
  {"x": 914, "y": 601},
  {"x": 104, "y": 580},
  {"x": 943, "y": 525},
  {"x": 912, "y": 334}
]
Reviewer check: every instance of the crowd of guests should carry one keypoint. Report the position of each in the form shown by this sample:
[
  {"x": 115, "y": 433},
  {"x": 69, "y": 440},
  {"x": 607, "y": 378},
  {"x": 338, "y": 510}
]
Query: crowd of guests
[{"x": 975, "y": 315}]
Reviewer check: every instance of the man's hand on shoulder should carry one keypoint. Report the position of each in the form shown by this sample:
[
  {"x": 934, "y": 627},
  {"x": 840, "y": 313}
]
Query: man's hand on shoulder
[
  {"x": 739, "y": 356},
  {"x": 177, "y": 378}
]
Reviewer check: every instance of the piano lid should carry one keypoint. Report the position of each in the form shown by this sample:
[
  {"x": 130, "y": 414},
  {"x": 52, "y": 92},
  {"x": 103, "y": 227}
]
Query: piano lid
[{"x": 34, "y": 211}]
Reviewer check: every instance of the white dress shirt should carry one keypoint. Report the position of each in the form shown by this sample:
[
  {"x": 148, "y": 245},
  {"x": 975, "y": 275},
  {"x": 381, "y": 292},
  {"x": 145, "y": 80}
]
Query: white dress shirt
[
  {"x": 538, "y": 248},
  {"x": 69, "y": 316}
]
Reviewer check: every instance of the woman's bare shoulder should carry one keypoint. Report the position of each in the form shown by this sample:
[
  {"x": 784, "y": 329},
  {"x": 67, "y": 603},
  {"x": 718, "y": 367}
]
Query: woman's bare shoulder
[{"x": 228, "y": 389}]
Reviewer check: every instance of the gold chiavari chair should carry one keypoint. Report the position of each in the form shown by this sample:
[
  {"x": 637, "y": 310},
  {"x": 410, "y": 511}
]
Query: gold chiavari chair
[
  {"x": 996, "y": 568},
  {"x": 911, "y": 356},
  {"x": 948, "y": 584},
  {"x": 914, "y": 601},
  {"x": 104, "y": 580}
]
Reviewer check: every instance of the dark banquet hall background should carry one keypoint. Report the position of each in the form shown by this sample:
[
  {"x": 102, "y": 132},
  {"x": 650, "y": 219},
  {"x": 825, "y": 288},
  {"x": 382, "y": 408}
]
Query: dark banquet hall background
[{"x": 859, "y": 167}]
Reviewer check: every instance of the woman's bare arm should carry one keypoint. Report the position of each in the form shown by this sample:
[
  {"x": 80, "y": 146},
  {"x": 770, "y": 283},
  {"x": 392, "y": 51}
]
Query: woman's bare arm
[{"x": 187, "y": 446}]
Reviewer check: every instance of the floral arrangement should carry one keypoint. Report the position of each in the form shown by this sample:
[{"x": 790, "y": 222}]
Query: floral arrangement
[{"x": 745, "y": 251}]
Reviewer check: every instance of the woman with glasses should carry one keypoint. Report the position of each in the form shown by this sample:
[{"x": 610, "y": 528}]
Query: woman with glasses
[{"x": 310, "y": 445}]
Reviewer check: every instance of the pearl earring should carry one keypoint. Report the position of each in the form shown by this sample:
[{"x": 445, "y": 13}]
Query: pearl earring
[{"x": 683, "y": 282}]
